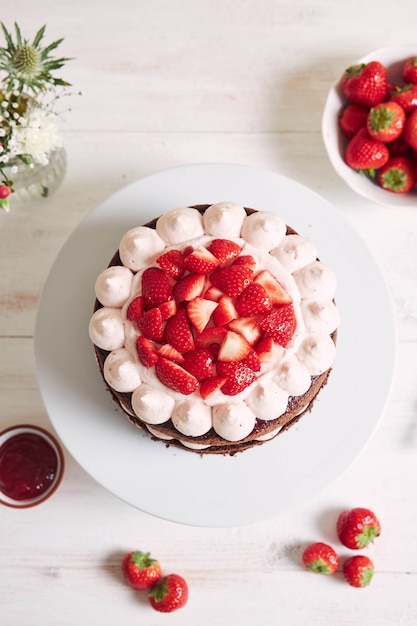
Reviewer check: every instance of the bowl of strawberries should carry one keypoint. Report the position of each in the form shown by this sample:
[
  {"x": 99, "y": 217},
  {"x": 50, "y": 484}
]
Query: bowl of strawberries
[{"x": 369, "y": 126}]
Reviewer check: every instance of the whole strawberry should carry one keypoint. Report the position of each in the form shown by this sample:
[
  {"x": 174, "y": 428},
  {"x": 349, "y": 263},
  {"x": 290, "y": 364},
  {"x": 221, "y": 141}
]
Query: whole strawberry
[
  {"x": 365, "y": 83},
  {"x": 365, "y": 153},
  {"x": 398, "y": 175},
  {"x": 353, "y": 118},
  {"x": 358, "y": 527},
  {"x": 169, "y": 593},
  {"x": 405, "y": 96},
  {"x": 409, "y": 72},
  {"x": 358, "y": 570},
  {"x": 140, "y": 570},
  {"x": 385, "y": 121},
  {"x": 320, "y": 558},
  {"x": 410, "y": 130}
]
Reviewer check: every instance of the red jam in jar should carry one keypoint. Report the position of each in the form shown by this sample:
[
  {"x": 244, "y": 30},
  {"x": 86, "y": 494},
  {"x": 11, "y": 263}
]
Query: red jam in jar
[{"x": 28, "y": 466}]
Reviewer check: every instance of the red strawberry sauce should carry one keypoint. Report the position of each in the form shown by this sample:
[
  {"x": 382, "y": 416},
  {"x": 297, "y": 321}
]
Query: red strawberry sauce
[{"x": 28, "y": 466}]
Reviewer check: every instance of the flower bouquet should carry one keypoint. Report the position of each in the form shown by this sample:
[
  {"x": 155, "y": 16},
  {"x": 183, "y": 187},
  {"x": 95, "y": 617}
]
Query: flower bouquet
[{"x": 29, "y": 135}]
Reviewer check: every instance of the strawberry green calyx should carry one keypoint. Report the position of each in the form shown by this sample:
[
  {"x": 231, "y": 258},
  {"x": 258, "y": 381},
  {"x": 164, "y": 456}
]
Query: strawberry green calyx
[
  {"x": 160, "y": 590},
  {"x": 354, "y": 70},
  {"x": 381, "y": 117},
  {"x": 366, "y": 576},
  {"x": 367, "y": 536},
  {"x": 320, "y": 566},
  {"x": 142, "y": 559}
]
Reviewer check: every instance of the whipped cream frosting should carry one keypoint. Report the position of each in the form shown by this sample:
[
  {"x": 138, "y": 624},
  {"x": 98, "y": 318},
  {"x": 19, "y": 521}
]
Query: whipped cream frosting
[{"x": 292, "y": 260}]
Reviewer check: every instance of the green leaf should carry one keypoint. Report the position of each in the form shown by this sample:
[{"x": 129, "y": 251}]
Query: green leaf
[
  {"x": 38, "y": 36},
  {"x": 8, "y": 38}
]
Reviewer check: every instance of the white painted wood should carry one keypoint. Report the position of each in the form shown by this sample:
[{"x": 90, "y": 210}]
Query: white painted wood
[{"x": 167, "y": 83}]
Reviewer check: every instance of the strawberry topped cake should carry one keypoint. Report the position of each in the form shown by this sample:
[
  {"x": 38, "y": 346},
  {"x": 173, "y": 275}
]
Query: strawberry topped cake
[{"x": 214, "y": 326}]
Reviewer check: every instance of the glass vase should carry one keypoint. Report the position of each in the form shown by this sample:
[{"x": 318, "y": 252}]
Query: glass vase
[{"x": 31, "y": 182}]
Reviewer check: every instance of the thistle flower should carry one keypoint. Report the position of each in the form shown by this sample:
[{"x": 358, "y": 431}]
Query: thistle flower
[{"x": 29, "y": 65}]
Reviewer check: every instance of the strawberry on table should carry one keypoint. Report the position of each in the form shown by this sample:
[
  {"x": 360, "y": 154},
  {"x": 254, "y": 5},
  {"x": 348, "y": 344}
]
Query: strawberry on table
[
  {"x": 365, "y": 153},
  {"x": 140, "y": 570},
  {"x": 169, "y": 593},
  {"x": 320, "y": 558},
  {"x": 357, "y": 527},
  {"x": 398, "y": 175},
  {"x": 365, "y": 83},
  {"x": 385, "y": 121},
  {"x": 358, "y": 570},
  {"x": 354, "y": 117}
]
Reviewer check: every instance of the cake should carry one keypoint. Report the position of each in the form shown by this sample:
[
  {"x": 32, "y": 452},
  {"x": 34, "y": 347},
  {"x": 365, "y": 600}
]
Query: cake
[{"x": 214, "y": 327}]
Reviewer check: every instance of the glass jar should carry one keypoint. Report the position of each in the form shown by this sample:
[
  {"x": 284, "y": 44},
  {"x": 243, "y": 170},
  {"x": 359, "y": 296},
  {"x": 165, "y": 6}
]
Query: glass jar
[{"x": 31, "y": 182}]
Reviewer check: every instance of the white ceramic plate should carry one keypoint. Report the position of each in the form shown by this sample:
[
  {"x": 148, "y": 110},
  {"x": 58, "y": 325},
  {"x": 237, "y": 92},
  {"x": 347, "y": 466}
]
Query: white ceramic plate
[
  {"x": 393, "y": 58},
  {"x": 179, "y": 485}
]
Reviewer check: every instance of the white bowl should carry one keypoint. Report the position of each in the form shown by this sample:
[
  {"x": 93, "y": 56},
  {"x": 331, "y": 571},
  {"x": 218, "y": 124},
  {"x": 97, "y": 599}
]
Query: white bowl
[
  {"x": 334, "y": 141},
  {"x": 12, "y": 462}
]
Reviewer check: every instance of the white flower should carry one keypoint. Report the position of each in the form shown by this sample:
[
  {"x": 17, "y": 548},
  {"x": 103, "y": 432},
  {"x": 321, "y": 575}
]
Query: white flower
[{"x": 37, "y": 135}]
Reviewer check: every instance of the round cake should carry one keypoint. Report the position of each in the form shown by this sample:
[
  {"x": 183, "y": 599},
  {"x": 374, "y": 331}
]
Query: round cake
[{"x": 214, "y": 327}]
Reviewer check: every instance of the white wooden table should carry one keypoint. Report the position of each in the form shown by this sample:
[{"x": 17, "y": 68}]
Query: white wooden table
[{"x": 167, "y": 83}]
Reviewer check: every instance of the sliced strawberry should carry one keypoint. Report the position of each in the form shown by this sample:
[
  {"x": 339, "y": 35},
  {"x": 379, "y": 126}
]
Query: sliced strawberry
[
  {"x": 234, "y": 347},
  {"x": 170, "y": 353},
  {"x": 212, "y": 293},
  {"x": 150, "y": 325},
  {"x": 280, "y": 324},
  {"x": 175, "y": 377},
  {"x": 189, "y": 287},
  {"x": 147, "y": 351},
  {"x": 156, "y": 287},
  {"x": 199, "y": 363},
  {"x": 224, "y": 249},
  {"x": 211, "y": 385},
  {"x": 265, "y": 349},
  {"x": 135, "y": 309},
  {"x": 225, "y": 311},
  {"x": 240, "y": 378},
  {"x": 168, "y": 309},
  {"x": 172, "y": 262},
  {"x": 246, "y": 259},
  {"x": 211, "y": 338},
  {"x": 274, "y": 289},
  {"x": 178, "y": 332},
  {"x": 248, "y": 327},
  {"x": 232, "y": 279},
  {"x": 201, "y": 261},
  {"x": 252, "y": 361},
  {"x": 253, "y": 300},
  {"x": 199, "y": 312}
]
